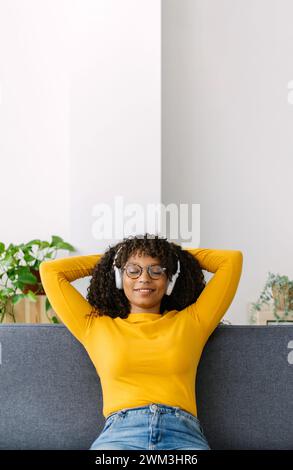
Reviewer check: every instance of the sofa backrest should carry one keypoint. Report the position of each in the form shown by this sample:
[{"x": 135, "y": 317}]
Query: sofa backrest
[{"x": 51, "y": 398}]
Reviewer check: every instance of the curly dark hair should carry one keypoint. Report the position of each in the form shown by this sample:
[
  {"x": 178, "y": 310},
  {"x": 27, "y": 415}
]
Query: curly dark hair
[{"x": 106, "y": 299}]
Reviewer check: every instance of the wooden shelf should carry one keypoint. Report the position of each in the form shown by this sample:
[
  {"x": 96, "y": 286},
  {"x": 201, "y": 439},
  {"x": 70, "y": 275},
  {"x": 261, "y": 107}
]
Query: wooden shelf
[
  {"x": 266, "y": 316},
  {"x": 28, "y": 311}
]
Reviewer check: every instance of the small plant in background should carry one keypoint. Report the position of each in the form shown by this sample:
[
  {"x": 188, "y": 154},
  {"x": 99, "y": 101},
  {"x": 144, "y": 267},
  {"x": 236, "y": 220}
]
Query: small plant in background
[
  {"x": 19, "y": 272},
  {"x": 277, "y": 291}
]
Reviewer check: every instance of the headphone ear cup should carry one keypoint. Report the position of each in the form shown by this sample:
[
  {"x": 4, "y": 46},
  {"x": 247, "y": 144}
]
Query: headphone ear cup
[
  {"x": 171, "y": 283},
  {"x": 118, "y": 277},
  {"x": 170, "y": 287}
]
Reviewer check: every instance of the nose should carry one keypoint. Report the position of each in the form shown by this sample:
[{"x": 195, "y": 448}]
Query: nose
[{"x": 144, "y": 277}]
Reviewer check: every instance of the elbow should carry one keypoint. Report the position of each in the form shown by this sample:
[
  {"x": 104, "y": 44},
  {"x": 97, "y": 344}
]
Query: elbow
[
  {"x": 43, "y": 267},
  {"x": 239, "y": 255},
  {"x": 236, "y": 255},
  {"x": 238, "y": 260}
]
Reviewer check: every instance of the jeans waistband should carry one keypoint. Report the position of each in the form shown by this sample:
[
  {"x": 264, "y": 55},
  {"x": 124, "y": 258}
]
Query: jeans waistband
[{"x": 161, "y": 408}]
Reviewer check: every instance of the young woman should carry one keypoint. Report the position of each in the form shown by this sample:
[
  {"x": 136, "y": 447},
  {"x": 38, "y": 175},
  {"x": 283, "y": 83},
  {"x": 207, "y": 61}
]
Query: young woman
[{"x": 144, "y": 323}]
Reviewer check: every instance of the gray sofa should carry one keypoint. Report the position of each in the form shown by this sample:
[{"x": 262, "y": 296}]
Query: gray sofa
[{"x": 50, "y": 394}]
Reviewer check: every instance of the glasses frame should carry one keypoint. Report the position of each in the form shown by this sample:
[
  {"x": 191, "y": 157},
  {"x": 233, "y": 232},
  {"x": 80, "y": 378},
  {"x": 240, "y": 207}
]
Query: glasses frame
[{"x": 148, "y": 267}]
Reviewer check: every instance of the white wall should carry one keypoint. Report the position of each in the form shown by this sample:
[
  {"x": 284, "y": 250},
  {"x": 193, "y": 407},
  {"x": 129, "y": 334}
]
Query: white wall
[
  {"x": 80, "y": 117},
  {"x": 115, "y": 118},
  {"x": 80, "y": 114},
  {"x": 227, "y": 129},
  {"x": 34, "y": 121}
]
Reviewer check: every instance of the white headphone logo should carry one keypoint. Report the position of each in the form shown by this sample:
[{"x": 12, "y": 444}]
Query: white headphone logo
[{"x": 118, "y": 276}]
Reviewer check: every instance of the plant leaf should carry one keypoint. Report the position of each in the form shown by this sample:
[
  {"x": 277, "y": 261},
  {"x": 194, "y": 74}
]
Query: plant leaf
[
  {"x": 48, "y": 305},
  {"x": 16, "y": 298},
  {"x": 36, "y": 241},
  {"x": 55, "y": 240},
  {"x": 30, "y": 295},
  {"x": 27, "y": 278}
]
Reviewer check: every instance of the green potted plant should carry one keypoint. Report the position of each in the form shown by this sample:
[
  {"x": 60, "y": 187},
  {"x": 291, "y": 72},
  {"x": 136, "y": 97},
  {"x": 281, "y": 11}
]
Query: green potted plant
[
  {"x": 19, "y": 273},
  {"x": 278, "y": 292}
]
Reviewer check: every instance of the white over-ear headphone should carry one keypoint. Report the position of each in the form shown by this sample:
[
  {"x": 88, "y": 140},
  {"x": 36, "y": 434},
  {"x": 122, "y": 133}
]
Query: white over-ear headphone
[
  {"x": 118, "y": 272},
  {"x": 171, "y": 283},
  {"x": 119, "y": 283}
]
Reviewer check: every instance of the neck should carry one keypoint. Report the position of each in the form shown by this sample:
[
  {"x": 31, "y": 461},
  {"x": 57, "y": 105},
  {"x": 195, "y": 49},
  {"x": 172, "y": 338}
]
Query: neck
[{"x": 135, "y": 309}]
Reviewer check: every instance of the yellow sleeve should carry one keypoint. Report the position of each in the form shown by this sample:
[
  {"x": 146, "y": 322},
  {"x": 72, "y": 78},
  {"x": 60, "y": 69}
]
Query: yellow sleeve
[
  {"x": 66, "y": 300},
  {"x": 214, "y": 300}
]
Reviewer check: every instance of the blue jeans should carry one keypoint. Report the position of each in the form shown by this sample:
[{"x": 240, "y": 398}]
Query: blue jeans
[{"x": 151, "y": 427}]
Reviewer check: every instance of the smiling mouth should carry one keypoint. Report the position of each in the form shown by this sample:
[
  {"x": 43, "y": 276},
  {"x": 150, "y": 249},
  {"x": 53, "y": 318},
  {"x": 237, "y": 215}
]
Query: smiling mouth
[{"x": 144, "y": 290}]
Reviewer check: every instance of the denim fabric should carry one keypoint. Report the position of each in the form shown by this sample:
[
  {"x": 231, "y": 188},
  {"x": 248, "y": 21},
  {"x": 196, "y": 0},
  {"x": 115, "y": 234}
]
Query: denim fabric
[{"x": 152, "y": 427}]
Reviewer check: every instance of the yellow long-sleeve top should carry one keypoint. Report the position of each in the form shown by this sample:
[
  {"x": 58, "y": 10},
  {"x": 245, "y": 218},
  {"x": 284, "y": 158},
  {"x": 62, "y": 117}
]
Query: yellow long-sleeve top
[{"x": 147, "y": 357}]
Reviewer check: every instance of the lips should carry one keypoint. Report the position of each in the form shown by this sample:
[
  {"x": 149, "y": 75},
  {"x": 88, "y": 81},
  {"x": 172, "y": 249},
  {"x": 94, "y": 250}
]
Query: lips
[{"x": 144, "y": 290}]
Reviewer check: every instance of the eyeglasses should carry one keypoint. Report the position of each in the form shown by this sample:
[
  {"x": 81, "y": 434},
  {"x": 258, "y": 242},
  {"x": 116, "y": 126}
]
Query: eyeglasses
[{"x": 134, "y": 271}]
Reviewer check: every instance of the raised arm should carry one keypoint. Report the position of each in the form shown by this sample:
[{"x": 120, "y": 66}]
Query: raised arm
[
  {"x": 65, "y": 299},
  {"x": 219, "y": 292}
]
